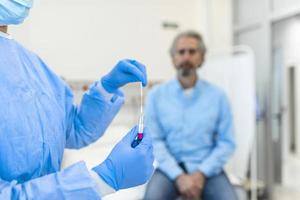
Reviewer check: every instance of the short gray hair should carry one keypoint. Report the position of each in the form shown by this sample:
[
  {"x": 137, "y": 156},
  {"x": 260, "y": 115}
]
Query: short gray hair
[{"x": 189, "y": 34}]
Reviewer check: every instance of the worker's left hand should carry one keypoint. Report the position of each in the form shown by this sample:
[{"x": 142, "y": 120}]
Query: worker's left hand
[{"x": 126, "y": 71}]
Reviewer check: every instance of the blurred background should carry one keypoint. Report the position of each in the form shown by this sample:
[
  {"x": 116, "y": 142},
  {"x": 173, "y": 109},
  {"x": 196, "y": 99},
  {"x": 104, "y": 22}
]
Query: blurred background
[{"x": 253, "y": 54}]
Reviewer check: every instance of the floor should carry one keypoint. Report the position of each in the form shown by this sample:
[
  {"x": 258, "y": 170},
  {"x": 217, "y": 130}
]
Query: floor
[{"x": 290, "y": 189}]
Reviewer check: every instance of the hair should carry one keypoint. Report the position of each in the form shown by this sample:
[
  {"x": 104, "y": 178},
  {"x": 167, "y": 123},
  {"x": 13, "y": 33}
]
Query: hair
[{"x": 188, "y": 34}]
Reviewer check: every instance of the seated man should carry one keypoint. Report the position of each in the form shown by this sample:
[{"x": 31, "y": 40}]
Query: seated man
[{"x": 191, "y": 125}]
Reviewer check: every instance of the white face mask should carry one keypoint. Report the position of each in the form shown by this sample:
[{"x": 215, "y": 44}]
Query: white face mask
[{"x": 14, "y": 11}]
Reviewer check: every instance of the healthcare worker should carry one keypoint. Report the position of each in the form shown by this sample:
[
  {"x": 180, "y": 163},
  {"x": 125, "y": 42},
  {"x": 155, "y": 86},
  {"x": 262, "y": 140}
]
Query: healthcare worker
[{"x": 38, "y": 120}]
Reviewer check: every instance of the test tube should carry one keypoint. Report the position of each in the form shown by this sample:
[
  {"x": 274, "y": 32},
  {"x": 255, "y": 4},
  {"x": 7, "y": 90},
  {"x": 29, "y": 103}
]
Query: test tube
[{"x": 140, "y": 134}]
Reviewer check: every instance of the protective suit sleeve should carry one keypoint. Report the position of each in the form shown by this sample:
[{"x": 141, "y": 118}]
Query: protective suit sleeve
[
  {"x": 75, "y": 182},
  {"x": 87, "y": 122},
  {"x": 103, "y": 188}
]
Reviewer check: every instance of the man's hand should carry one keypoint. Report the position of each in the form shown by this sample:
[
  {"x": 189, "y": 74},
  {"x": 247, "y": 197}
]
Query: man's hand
[
  {"x": 185, "y": 185},
  {"x": 191, "y": 186},
  {"x": 199, "y": 182}
]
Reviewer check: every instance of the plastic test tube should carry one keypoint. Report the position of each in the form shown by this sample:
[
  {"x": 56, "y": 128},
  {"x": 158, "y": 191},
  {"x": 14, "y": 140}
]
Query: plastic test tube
[{"x": 140, "y": 134}]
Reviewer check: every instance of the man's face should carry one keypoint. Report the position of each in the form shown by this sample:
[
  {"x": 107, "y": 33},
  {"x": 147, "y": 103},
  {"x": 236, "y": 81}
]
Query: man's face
[{"x": 188, "y": 57}]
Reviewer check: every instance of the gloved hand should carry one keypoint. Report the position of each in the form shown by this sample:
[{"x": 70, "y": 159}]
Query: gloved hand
[
  {"x": 125, "y": 166},
  {"x": 126, "y": 71}
]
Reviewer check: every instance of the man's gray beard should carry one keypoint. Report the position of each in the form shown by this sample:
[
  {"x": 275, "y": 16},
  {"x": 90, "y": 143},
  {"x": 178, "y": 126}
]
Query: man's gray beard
[{"x": 185, "y": 72}]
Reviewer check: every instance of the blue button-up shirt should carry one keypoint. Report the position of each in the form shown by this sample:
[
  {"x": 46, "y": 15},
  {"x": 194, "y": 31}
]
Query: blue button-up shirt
[{"x": 195, "y": 129}]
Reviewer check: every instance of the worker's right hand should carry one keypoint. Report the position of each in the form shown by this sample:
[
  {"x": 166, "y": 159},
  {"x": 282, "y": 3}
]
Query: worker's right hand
[
  {"x": 125, "y": 166},
  {"x": 126, "y": 71}
]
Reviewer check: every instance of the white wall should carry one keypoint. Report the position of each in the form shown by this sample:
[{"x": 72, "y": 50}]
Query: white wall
[
  {"x": 283, "y": 5},
  {"x": 248, "y": 12},
  {"x": 252, "y": 27},
  {"x": 214, "y": 20},
  {"x": 83, "y": 39},
  {"x": 286, "y": 35}
]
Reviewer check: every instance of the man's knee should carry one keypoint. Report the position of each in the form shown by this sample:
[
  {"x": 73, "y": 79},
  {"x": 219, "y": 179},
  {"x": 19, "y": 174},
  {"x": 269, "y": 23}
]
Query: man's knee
[
  {"x": 219, "y": 188},
  {"x": 160, "y": 187}
]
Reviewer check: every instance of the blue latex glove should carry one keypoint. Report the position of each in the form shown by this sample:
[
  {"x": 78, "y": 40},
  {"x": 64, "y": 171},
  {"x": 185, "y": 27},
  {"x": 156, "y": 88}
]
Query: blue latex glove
[
  {"x": 125, "y": 166},
  {"x": 126, "y": 71}
]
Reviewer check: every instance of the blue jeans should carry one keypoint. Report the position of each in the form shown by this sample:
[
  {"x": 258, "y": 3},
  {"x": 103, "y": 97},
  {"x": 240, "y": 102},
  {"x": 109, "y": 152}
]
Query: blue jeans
[{"x": 161, "y": 187}]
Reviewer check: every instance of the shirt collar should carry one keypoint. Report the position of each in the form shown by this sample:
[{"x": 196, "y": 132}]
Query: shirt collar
[
  {"x": 178, "y": 86},
  {"x": 5, "y": 35}
]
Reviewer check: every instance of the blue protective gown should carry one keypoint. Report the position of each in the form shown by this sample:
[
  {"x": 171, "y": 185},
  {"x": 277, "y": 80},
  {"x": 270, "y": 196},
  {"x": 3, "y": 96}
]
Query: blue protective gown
[{"x": 37, "y": 121}]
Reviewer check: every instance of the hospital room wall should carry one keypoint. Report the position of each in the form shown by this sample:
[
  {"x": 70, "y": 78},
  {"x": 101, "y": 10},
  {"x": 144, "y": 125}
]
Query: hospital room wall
[
  {"x": 286, "y": 38},
  {"x": 284, "y": 6},
  {"x": 83, "y": 39},
  {"x": 252, "y": 30},
  {"x": 257, "y": 31}
]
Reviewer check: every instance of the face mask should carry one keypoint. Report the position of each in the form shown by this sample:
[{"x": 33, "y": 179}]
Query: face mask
[{"x": 14, "y": 11}]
